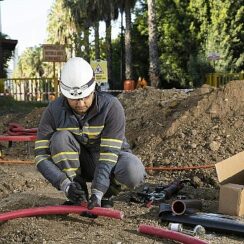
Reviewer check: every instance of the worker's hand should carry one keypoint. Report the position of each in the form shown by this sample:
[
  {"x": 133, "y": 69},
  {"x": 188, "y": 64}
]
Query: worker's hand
[
  {"x": 75, "y": 193},
  {"x": 93, "y": 202}
]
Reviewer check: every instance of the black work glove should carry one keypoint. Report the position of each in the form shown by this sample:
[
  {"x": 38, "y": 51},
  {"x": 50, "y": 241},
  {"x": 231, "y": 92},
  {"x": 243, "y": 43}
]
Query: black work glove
[
  {"x": 93, "y": 202},
  {"x": 75, "y": 193}
]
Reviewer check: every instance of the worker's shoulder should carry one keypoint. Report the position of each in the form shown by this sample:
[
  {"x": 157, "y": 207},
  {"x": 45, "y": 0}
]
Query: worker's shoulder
[
  {"x": 107, "y": 98},
  {"x": 57, "y": 103}
]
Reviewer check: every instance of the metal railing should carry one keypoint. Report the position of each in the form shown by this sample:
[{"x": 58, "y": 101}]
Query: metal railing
[
  {"x": 30, "y": 89},
  {"x": 221, "y": 79}
]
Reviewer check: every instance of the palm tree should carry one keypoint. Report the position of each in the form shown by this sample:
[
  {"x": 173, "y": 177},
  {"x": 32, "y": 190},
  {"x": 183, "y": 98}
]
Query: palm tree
[
  {"x": 85, "y": 13},
  {"x": 78, "y": 15},
  {"x": 61, "y": 30},
  {"x": 95, "y": 15},
  {"x": 108, "y": 10},
  {"x": 126, "y": 6},
  {"x": 153, "y": 47},
  {"x": 97, "y": 44}
]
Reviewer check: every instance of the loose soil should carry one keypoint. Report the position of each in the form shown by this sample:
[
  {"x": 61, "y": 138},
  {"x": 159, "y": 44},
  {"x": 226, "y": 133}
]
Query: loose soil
[{"x": 173, "y": 128}]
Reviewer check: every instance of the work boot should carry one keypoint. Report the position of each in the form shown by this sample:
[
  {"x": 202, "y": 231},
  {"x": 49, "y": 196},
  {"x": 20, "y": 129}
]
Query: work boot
[
  {"x": 107, "y": 202},
  {"x": 113, "y": 190},
  {"x": 69, "y": 203}
]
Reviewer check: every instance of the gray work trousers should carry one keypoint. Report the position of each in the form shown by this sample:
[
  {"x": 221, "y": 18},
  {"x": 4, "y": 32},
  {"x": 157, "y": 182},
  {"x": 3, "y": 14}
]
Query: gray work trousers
[{"x": 128, "y": 171}]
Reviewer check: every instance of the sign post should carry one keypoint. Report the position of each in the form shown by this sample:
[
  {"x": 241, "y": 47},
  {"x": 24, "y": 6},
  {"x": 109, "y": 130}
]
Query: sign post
[
  {"x": 214, "y": 57},
  {"x": 54, "y": 53},
  {"x": 100, "y": 70}
]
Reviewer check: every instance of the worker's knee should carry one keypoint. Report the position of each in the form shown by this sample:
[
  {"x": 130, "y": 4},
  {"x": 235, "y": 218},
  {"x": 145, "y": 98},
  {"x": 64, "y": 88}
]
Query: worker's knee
[
  {"x": 129, "y": 170},
  {"x": 60, "y": 137},
  {"x": 62, "y": 141}
]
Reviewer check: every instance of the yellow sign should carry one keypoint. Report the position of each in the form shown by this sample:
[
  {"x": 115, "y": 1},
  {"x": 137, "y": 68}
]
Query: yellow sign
[
  {"x": 54, "y": 53},
  {"x": 100, "y": 70}
]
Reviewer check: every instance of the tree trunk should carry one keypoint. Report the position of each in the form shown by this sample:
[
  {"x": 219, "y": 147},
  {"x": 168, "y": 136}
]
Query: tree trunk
[
  {"x": 109, "y": 51},
  {"x": 87, "y": 45},
  {"x": 128, "y": 64},
  {"x": 122, "y": 50},
  {"x": 77, "y": 42},
  {"x": 153, "y": 47},
  {"x": 97, "y": 45}
]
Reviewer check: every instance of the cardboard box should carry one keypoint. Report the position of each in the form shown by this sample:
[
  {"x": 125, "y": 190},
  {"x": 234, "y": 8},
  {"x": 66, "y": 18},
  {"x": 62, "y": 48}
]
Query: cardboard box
[{"x": 230, "y": 174}]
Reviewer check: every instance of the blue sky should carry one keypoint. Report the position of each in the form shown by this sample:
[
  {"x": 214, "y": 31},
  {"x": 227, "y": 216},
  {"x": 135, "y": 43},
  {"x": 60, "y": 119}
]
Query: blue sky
[{"x": 25, "y": 21}]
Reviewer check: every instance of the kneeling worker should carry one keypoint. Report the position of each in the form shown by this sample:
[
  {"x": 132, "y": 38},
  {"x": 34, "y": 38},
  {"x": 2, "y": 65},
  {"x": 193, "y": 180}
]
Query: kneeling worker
[{"x": 81, "y": 138}]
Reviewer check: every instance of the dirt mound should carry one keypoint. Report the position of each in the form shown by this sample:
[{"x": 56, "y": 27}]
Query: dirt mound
[
  {"x": 177, "y": 127},
  {"x": 186, "y": 128}
]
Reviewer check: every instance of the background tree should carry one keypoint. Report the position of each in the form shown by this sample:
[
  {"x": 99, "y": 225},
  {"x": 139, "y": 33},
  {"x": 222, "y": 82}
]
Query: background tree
[
  {"x": 60, "y": 28},
  {"x": 187, "y": 31},
  {"x": 140, "y": 42},
  {"x": 225, "y": 35},
  {"x": 126, "y": 6},
  {"x": 153, "y": 44},
  {"x": 78, "y": 14},
  {"x": 30, "y": 64},
  {"x": 6, "y": 55}
]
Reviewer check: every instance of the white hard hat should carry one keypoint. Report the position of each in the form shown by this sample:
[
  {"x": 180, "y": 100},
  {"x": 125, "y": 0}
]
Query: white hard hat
[{"x": 77, "y": 79}]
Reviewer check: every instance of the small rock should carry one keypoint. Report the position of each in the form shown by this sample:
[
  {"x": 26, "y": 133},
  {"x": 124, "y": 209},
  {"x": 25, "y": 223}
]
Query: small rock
[
  {"x": 193, "y": 145},
  {"x": 197, "y": 181},
  {"x": 214, "y": 145},
  {"x": 194, "y": 132},
  {"x": 182, "y": 135},
  {"x": 231, "y": 150}
]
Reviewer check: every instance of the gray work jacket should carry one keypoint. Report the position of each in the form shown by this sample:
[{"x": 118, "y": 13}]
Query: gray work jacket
[{"x": 102, "y": 128}]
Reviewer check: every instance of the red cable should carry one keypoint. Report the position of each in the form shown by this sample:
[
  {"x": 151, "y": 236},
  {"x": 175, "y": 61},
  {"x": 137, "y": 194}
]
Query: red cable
[
  {"x": 181, "y": 168},
  {"x": 169, "y": 234},
  {"x": 15, "y": 129},
  {"x": 48, "y": 210},
  {"x": 10, "y": 161},
  {"x": 147, "y": 168}
]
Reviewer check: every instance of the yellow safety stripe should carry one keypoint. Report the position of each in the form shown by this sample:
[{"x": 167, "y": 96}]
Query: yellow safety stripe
[
  {"x": 91, "y": 133},
  {"x": 40, "y": 158},
  {"x": 68, "y": 128},
  {"x": 112, "y": 140},
  {"x": 41, "y": 144},
  {"x": 69, "y": 169},
  {"x": 70, "y": 156},
  {"x": 108, "y": 160},
  {"x": 93, "y": 130},
  {"x": 63, "y": 159},
  {"x": 109, "y": 156},
  {"x": 64, "y": 153},
  {"x": 78, "y": 133},
  {"x": 112, "y": 143},
  {"x": 75, "y": 130},
  {"x": 71, "y": 175},
  {"x": 106, "y": 145}
]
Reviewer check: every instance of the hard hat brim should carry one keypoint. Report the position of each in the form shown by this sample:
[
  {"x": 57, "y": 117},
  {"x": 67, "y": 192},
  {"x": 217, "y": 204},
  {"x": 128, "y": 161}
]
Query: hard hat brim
[{"x": 85, "y": 93}]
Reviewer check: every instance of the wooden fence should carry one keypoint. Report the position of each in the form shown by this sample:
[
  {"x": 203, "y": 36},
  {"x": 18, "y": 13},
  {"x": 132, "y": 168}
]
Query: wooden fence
[
  {"x": 220, "y": 79},
  {"x": 30, "y": 89}
]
